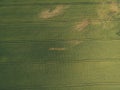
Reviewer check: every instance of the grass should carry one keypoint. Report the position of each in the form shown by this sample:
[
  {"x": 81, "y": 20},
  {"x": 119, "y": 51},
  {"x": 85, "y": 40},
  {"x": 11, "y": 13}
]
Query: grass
[{"x": 50, "y": 54}]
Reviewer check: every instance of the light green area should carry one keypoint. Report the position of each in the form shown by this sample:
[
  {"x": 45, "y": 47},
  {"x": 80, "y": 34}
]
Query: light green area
[{"x": 52, "y": 54}]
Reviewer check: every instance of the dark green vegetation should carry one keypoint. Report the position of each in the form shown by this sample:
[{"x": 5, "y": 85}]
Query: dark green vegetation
[{"x": 59, "y": 45}]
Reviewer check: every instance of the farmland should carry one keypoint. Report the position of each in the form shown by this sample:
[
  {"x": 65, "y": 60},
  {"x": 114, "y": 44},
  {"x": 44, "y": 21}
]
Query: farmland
[{"x": 59, "y": 45}]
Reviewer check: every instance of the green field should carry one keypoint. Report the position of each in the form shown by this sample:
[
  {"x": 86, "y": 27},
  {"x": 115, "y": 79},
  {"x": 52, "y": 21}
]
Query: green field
[{"x": 59, "y": 45}]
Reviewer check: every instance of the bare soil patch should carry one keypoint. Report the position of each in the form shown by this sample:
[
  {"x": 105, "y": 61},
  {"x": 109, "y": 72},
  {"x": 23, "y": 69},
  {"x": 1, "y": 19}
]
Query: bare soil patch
[
  {"x": 79, "y": 26},
  {"x": 46, "y": 14}
]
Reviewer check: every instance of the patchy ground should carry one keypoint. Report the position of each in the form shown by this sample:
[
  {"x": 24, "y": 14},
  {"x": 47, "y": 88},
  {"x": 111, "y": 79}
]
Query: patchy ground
[
  {"x": 79, "y": 26},
  {"x": 46, "y": 14}
]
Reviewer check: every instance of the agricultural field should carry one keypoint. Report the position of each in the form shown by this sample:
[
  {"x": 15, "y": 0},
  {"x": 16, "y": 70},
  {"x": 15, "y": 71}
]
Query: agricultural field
[{"x": 59, "y": 45}]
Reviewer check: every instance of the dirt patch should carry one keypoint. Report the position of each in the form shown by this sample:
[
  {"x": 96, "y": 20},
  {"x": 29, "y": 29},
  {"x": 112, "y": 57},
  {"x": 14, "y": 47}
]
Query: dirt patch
[
  {"x": 57, "y": 49},
  {"x": 46, "y": 14},
  {"x": 114, "y": 7},
  {"x": 79, "y": 26},
  {"x": 106, "y": 13}
]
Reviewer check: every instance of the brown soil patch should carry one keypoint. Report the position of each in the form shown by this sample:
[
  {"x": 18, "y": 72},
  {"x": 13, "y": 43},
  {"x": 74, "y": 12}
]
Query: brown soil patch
[
  {"x": 114, "y": 7},
  {"x": 106, "y": 13},
  {"x": 81, "y": 25},
  {"x": 46, "y": 14}
]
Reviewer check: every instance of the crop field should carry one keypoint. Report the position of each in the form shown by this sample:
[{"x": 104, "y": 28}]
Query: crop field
[{"x": 59, "y": 45}]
